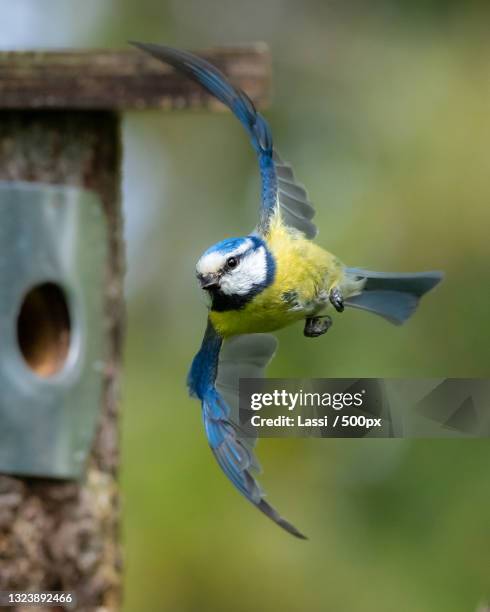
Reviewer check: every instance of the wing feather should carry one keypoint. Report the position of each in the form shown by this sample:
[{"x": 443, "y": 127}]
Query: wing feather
[
  {"x": 296, "y": 209},
  {"x": 279, "y": 187},
  {"x": 214, "y": 375}
]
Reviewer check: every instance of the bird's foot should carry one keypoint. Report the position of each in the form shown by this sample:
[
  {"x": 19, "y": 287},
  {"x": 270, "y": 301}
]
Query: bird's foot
[
  {"x": 317, "y": 326},
  {"x": 337, "y": 299}
]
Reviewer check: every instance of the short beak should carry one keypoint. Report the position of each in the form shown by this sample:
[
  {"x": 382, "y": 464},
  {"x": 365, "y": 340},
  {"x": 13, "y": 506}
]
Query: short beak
[{"x": 208, "y": 281}]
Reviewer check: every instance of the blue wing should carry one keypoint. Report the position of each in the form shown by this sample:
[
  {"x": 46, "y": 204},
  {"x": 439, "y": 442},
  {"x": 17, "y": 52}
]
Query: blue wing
[
  {"x": 279, "y": 188},
  {"x": 242, "y": 355}
]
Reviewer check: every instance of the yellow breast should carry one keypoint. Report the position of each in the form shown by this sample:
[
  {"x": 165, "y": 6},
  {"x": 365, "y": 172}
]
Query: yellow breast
[{"x": 304, "y": 274}]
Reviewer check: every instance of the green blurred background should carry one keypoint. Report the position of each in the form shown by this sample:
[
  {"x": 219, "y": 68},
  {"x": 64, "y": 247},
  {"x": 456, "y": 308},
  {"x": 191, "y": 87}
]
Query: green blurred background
[{"x": 384, "y": 110}]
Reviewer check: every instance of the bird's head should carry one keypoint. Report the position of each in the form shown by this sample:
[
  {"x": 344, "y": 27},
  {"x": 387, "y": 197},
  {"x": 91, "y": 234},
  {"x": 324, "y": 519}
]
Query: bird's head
[{"x": 234, "y": 270}]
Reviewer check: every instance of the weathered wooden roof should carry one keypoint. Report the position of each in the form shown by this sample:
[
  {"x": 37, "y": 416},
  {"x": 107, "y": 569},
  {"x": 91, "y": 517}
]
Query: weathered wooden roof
[{"x": 122, "y": 80}]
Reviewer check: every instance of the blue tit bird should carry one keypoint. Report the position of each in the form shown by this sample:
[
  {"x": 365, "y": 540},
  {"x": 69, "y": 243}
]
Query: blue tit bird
[{"x": 270, "y": 278}]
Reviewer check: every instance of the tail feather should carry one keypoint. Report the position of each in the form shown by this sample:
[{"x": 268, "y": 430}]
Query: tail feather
[{"x": 389, "y": 295}]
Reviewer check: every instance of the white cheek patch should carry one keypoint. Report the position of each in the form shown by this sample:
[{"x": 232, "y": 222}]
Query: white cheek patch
[
  {"x": 251, "y": 271},
  {"x": 214, "y": 261}
]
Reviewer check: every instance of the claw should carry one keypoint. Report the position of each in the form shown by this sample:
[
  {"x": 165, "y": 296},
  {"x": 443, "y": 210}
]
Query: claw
[
  {"x": 317, "y": 326},
  {"x": 337, "y": 299}
]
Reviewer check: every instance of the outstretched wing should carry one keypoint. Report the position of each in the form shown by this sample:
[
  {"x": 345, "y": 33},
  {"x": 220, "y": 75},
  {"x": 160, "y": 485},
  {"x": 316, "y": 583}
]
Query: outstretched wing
[
  {"x": 279, "y": 187},
  {"x": 245, "y": 356},
  {"x": 214, "y": 375}
]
